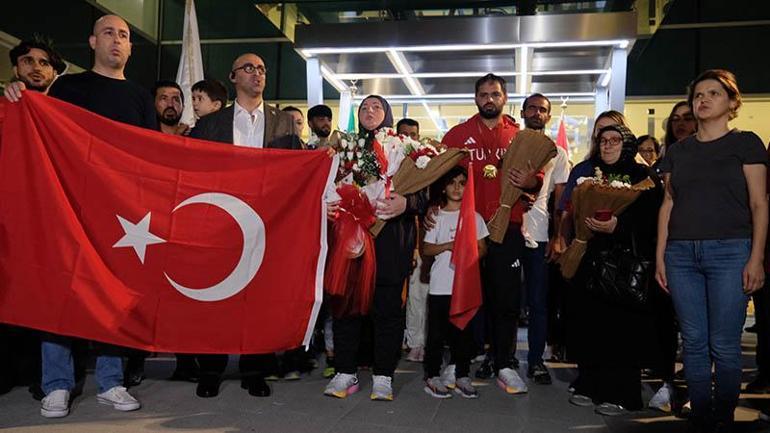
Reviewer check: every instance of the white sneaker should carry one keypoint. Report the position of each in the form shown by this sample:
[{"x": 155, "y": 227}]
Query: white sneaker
[
  {"x": 382, "y": 388},
  {"x": 119, "y": 398},
  {"x": 435, "y": 387},
  {"x": 662, "y": 399},
  {"x": 510, "y": 382},
  {"x": 448, "y": 376},
  {"x": 342, "y": 385},
  {"x": 56, "y": 404},
  {"x": 465, "y": 389}
]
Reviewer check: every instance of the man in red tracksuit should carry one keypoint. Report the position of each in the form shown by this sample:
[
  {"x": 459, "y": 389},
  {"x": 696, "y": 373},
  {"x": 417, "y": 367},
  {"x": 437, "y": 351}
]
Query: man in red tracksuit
[{"x": 487, "y": 136}]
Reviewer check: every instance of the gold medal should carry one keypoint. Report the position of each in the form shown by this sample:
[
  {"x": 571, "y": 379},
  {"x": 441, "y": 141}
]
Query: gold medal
[{"x": 490, "y": 171}]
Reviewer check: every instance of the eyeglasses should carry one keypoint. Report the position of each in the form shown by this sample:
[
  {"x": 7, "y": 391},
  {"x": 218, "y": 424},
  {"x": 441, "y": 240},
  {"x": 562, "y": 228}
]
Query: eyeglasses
[
  {"x": 614, "y": 141},
  {"x": 250, "y": 69}
]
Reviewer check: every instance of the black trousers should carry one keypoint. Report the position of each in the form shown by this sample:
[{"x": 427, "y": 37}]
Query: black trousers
[
  {"x": 20, "y": 359},
  {"x": 387, "y": 316},
  {"x": 665, "y": 335},
  {"x": 762, "y": 316},
  {"x": 501, "y": 273},
  {"x": 611, "y": 384},
  {"x": 250, "y": 365},
  {"x": 441, "y": 331}
]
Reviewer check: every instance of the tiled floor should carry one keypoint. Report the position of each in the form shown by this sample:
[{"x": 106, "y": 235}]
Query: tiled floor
[{"x": 299, "y": 407}]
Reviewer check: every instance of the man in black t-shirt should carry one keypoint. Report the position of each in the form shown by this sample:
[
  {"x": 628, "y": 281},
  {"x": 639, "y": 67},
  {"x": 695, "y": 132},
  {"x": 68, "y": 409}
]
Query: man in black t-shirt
[{"x": 103, "y": 90}]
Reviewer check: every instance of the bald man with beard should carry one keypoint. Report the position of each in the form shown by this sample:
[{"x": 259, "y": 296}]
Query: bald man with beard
[{"x": 103, "y": 90}]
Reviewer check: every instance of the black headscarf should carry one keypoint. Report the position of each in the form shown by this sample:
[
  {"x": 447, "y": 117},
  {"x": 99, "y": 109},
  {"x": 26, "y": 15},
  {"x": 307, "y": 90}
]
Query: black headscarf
[
  {"x": 626, "y": 164},
  {"x": 629, "y": 141},
  {"x": 387, "y": 121}
]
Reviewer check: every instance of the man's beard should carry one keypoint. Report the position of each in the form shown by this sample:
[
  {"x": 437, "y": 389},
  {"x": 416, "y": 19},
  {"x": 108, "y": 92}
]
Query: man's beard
[
  {"x": 170, "y": 121},
  {"x": 533, "y": 124},
  {"x": 322, "y": 133},
  {"x": 34, "y": 87},
  {"x": 489, "y": 113}
]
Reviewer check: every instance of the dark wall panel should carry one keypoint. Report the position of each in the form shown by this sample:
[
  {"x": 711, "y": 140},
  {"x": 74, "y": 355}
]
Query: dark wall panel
[
  {"x": 218, "y": 19},
  {"x": 666, "y": 63},
  {"x": 69, "y": 23}
]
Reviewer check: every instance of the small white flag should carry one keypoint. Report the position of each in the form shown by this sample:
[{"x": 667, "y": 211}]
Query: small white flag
[{"x": 190, "y": 62}]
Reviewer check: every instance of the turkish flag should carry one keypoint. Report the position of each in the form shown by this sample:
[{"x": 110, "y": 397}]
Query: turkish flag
[
  {"x": 132, "y": 237},
  {"x": 466, "y": 287},
  {"x": 561, "y": 137}
]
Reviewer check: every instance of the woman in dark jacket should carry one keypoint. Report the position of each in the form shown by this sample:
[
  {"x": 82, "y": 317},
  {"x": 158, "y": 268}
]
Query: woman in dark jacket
[
  {"x": 607, "y": 336},
  {"x": 393, "y": 249}
]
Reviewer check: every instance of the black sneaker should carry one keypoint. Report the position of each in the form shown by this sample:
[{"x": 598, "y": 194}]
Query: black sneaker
[
  {"x": 485, "y": 370},
  {"x": 760, "y": 385},
  {"x": 539, "y": 374}
]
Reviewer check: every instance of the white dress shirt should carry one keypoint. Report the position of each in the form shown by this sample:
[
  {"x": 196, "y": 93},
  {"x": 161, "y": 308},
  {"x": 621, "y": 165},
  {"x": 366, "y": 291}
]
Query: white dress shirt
[
  {"x": 249, "y": 128},
  {"x": 535, "y": 226}
]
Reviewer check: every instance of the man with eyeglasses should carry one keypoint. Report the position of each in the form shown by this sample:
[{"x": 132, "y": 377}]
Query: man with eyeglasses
[
  {"x": 252, "y": 123},
  {"x": 249, "y": 121}
]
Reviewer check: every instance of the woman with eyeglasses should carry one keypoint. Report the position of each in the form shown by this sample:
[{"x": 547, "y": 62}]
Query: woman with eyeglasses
[
  {"x": 649, "y": 148},
  {"x": 711, "y": 240},
  {"x": 608, "y": 338}
]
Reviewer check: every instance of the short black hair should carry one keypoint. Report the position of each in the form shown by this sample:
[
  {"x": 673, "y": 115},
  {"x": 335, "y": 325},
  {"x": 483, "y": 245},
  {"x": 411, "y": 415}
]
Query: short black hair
[
  {"x": 536, "y": 95},
  {"x": 160, "y": 84},
  {"x": 491, "y": 78},
  {"x": 319, "y": 110},
  {"x": 408, "y": 122},
  {"x": 37, "y": 42},
  {"x": 292, "y": 108},
  {"x": 215, "y": 90}
]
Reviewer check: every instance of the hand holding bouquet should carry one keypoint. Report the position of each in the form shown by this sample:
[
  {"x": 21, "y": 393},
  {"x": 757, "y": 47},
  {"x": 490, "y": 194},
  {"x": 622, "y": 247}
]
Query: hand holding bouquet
[
  {"x": 528, "y": 149},
  {"x": 601, "y": 198}
]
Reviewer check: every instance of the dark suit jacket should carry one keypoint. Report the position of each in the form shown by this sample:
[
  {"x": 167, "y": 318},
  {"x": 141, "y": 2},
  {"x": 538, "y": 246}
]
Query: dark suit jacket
[{"x": 279, "y": 128}]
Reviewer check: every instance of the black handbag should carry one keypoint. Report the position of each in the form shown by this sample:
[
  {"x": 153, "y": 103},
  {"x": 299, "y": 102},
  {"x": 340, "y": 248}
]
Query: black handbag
[{"x": 621, "y": 276}]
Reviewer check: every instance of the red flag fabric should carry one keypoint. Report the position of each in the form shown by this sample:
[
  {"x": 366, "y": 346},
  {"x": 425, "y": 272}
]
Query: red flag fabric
[
  {"x": 466, "y": 287},
  {"x": 561, "y": 137},
  {"x": 132, "y": 237}
]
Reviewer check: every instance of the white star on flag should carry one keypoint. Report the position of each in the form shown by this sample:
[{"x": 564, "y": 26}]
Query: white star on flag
[{"x": 137, "y": 235}]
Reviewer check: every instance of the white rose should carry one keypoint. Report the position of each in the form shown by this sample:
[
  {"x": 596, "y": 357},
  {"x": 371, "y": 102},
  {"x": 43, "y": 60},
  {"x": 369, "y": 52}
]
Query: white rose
[
  {"x": 355, "y": 167},
  {"x": 350, "y": 155},
  {"x": 422, "y": 161},
  {"x": 344, "y": 144},
  {"x": 361, "y": 142},
  {"x": 359, "y": 154}
]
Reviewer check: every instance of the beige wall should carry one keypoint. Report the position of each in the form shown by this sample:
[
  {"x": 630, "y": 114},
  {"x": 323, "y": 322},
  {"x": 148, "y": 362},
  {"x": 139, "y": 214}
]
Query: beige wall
[{"x": 753, "y": 116}]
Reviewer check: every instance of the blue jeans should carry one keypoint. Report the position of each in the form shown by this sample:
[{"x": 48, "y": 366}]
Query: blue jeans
[
  {"x": 536, "y": 281},
  {"x": 705, "y": 279},
  {"x": 58, "y": 369}
]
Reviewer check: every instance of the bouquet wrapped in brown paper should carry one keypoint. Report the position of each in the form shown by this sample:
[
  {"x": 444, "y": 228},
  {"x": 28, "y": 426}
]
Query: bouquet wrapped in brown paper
[
  {"x": 592, "y": 195},
  {"x": 410, "y": 178},
  {"x": 527, "y": 148}
]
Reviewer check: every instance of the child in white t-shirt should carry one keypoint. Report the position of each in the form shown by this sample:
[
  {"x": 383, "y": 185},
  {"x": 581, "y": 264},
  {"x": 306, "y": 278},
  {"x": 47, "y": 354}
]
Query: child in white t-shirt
[{"x": 438, "y": 242}]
